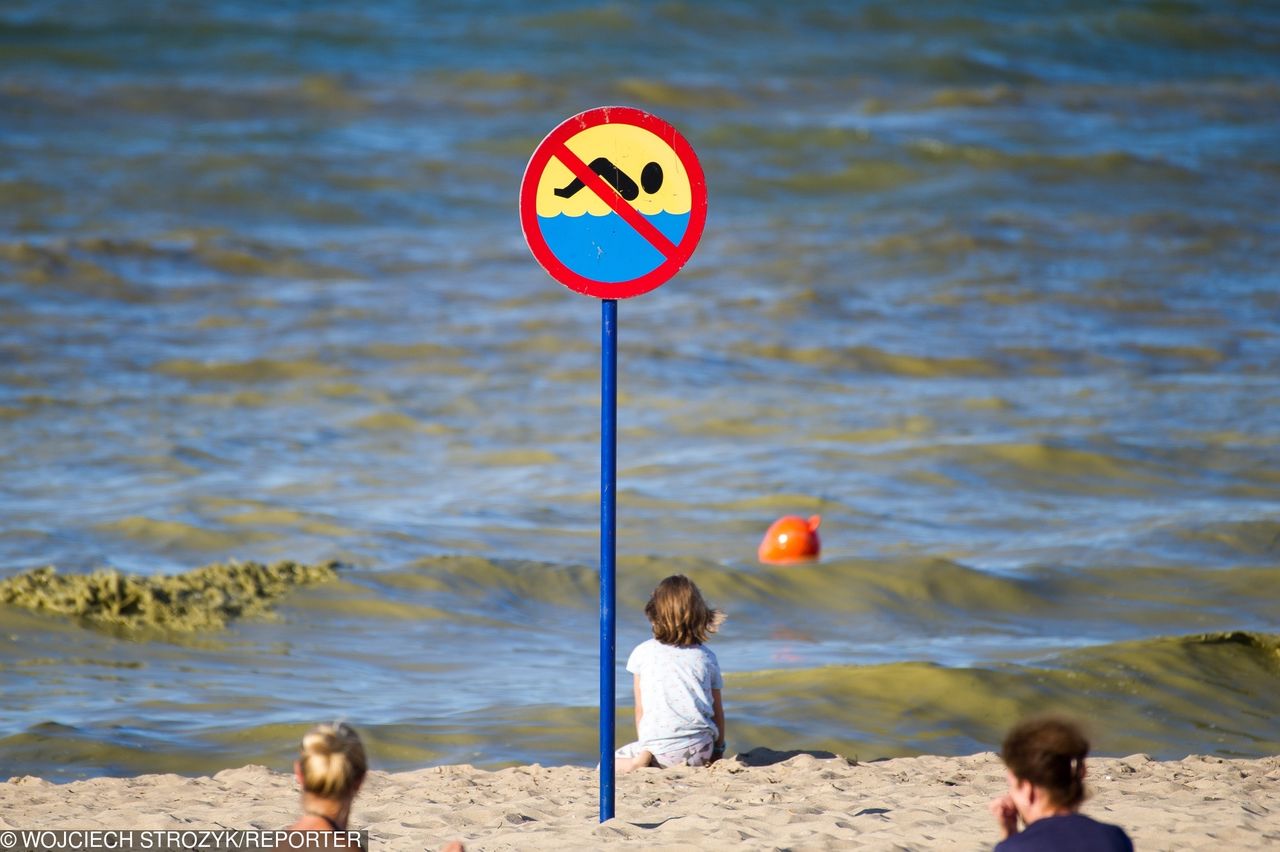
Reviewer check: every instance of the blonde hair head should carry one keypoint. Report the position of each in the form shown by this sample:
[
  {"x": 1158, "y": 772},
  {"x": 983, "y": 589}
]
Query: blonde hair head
[
  {"x": 679, "y": 615},
  {"x": 332, "y": 761}
]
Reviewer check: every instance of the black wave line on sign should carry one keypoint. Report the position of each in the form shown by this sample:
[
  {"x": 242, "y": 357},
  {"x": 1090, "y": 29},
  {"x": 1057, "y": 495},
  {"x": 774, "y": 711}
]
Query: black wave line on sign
[{"x": 650, "y": 179}]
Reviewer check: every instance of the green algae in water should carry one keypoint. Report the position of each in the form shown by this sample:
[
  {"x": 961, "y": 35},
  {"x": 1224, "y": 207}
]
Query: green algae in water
[{"x": 203, "y": 599}]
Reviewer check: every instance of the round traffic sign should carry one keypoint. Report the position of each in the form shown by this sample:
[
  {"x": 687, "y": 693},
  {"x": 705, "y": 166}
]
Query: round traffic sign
[{"x": 613, "y": 202}]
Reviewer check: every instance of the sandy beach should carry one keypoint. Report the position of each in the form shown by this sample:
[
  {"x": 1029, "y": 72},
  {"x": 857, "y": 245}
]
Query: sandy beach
[{"x": 758, "y": 800}]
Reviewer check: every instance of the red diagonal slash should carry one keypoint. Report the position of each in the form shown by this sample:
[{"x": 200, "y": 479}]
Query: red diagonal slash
[{"x": 616, "y": 202}]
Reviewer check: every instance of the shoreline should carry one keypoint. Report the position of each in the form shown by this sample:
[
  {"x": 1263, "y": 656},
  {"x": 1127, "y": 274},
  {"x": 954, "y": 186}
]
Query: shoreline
[{"x": 761, "y": 799}]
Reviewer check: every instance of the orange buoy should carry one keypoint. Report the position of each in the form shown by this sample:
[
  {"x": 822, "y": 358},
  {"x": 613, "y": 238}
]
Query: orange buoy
[{"x": 790, "y": 539}]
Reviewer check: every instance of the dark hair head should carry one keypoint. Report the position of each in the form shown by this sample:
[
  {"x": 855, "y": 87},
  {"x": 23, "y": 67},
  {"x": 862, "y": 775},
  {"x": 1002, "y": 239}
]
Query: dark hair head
[
  {"x": 678, "y": 613},
  {"x": 1049, "y": 752}
]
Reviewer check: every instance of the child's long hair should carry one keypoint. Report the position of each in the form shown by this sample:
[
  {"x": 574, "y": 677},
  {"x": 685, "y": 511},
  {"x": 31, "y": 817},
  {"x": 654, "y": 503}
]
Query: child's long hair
[
  {"x": 332, "y": 761},
  {"x": 1049, "y": 752},
  {"x": 678, "y": 613}
]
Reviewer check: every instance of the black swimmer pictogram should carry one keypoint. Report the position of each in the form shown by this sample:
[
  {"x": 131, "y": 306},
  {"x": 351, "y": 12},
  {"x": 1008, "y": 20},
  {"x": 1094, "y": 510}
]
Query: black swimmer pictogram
[{"x": 650, "y": 179}]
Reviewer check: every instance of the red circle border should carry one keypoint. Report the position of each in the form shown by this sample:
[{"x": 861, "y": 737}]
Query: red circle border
[{"x": 565, "y": 131}]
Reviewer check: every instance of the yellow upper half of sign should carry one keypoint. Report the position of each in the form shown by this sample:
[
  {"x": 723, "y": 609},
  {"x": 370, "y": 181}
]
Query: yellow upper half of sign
[{"x": 630, "y": 149}]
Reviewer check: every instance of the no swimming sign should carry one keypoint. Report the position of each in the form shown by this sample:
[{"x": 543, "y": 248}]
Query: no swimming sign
[{"x": 613, "y": 202}]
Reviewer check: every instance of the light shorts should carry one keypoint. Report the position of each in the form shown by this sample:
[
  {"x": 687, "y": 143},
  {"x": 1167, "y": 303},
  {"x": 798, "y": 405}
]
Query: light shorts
[{"x": 698, "y": 754}]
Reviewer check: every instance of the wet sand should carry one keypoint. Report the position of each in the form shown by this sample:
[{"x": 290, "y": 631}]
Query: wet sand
[{"x": 758, "y": 800}]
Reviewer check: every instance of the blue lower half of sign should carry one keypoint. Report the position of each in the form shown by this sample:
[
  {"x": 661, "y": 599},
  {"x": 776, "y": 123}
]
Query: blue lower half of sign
[{"x": 606, "y": 248}]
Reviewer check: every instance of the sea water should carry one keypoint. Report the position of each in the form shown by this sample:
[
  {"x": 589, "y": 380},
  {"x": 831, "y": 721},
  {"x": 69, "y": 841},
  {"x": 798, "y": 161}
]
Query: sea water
[{"x": 992, "y": 290}]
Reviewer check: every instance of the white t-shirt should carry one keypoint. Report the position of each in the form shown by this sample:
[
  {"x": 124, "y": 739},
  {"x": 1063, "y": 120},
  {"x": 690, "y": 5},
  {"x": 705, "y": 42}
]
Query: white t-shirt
[{"x": 675, "y": 692}]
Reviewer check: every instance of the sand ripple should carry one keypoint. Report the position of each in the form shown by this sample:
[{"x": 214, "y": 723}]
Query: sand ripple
[{"x": 759, "y": 800}]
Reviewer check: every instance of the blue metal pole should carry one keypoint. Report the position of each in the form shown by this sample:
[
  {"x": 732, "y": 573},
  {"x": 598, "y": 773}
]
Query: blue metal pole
[{"x": 608, "y": 546}]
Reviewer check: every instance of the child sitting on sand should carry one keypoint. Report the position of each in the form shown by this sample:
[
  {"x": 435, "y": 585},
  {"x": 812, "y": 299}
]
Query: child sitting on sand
[
  {"x": 1045, "y": 766},
  {"x": 679, "y": 713}
]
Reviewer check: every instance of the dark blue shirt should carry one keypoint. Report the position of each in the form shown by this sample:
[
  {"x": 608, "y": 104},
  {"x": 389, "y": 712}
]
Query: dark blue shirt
[{"x": 1072, "y": 833}]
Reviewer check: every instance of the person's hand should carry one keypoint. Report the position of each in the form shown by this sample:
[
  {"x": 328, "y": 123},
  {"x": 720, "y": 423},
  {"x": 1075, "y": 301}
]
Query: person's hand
[{"x": 1006, "y": 814}]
